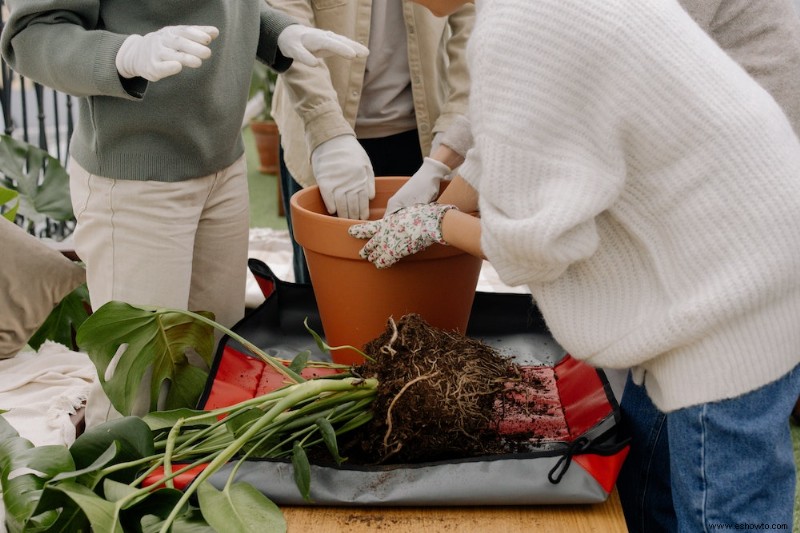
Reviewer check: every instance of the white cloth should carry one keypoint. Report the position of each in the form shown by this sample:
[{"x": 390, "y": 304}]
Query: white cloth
[
  {"x": 40, "y": 390},
  {"x": 644, "y": 187},
  {"x": 273, "y": 247}
]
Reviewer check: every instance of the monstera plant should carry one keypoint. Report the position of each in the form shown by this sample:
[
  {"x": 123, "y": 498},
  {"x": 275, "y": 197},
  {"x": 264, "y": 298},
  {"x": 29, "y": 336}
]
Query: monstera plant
[{"x": 34, "y": 186}]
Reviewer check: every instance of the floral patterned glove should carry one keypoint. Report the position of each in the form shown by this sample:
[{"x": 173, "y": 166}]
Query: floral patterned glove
[{"x": 408, "y": 231}]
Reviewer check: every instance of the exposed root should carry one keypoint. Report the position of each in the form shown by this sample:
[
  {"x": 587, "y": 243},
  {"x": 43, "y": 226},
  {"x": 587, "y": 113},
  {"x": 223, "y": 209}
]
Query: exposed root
[
  {"x": 394, "y": 401},
  {"x": 455, "y": 379}
]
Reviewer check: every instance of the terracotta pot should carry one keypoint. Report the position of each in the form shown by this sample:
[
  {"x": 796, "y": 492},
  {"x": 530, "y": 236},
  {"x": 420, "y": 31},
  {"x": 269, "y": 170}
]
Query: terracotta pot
[
  {"x": 267, "y": 141},
  {"x": 355, "y": 299}
]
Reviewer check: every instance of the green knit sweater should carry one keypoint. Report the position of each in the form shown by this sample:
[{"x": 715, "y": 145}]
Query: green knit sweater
[{"x": 181, "y": 127}]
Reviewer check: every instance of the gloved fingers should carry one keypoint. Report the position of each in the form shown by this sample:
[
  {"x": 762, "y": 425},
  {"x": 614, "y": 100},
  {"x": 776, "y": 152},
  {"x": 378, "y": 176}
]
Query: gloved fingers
[
  {"x": 186, "y": 59},
  {"x": 359, "y": 205},
  {"x": 411, "y": 196},
  {"x": 327, "y": 43},
  {"x": 199, "y": 34},
  {"x": 299, "y": 53},
  {"x": 163, "y": 69},
  {"x": 383, "y": 258},
  {"x": 329, "y": 199},
  {"x": 369, "y": 250},
  {"x": 342, "y": 204},
  {"x": 364, "y": 230},
  {"x": 188, "y": 44},
  {"x": 180, "y": 49},
  {"x": 393, "y": 205},
  {"x": 422, "y": 188},
  {"x": 370, "y": 181},
  {"x": 290, "y": 45}
]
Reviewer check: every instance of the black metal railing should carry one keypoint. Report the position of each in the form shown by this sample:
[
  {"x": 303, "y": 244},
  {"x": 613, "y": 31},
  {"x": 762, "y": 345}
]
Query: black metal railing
[{"x": 39, "y": 116}]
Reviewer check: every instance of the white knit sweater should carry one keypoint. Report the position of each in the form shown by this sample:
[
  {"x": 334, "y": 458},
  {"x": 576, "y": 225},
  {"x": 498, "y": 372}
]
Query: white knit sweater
[{"x": 644, "y": 187}]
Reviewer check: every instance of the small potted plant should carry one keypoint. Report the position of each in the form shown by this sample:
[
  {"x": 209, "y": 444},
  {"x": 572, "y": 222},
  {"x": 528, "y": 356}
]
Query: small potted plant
[{"x": 264, "y": 128}]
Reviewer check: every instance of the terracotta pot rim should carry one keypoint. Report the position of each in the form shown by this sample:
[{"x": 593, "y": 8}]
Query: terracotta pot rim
[{"x": 330, "y": 226}]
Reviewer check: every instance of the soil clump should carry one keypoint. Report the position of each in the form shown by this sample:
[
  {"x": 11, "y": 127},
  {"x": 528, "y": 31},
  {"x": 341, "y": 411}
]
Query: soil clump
[{"x": 438, "y": 397}]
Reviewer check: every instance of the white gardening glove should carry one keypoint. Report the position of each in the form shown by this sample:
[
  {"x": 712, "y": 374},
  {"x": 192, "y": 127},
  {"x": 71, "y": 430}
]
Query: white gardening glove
[
  {"x": 423, "y": 187},
  {"x": 307, "y": 45},
  {"x": 165, "y": 52},
  {"x": 410, "y": 230},
  {"x": 345, "y": 177}
]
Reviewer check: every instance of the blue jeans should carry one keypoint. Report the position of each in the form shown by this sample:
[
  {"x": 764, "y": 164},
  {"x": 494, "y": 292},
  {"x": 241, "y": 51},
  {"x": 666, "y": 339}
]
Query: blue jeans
[
  {"x": 288, "y": 187},
  {"x": 728, "y": 462},
  {"x": 643, "y": 483}
]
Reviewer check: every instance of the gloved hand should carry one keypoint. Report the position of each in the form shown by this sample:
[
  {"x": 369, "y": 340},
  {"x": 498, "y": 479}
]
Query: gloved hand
[
  {"x": 165, "y": 52},
  {"x": 423, "y": 187},
  {"x": 303, "y": 43},
  {"x": 345, "y": 177},
  {"x": 410, "y": 230}
]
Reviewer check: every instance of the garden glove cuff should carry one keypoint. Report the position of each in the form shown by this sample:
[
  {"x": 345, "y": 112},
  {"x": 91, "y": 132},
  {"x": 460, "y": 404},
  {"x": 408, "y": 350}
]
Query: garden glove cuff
[
  {"x": 307, "y": 45},
  {"x": 422, "y": 188},
  {"x": 406, "y": 232},
  {"x": 345, "y": 177},
  {"x": 165, "y": 52}
]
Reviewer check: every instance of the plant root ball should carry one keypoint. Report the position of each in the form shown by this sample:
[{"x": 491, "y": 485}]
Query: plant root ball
[{"x": 436, "y": 395}]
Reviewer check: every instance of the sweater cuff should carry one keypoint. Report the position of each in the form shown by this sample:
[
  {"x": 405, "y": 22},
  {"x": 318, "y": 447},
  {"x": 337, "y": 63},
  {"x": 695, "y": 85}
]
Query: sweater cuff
[
  {"x": 458, "y": 135},
  {"x": 470, "y": 171}
]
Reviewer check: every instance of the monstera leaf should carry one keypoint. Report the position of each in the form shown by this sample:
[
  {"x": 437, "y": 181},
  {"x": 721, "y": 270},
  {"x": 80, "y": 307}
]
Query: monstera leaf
[
  {"x": 124, "y": 342},
  {"x": 9, "y": 210},
  {"x": 38, "y": 178}
]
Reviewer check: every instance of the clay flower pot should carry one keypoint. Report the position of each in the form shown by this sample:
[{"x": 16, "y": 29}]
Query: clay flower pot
[
  {"x": 267, "y": 139},
  {"x": 355, "y": 299}
]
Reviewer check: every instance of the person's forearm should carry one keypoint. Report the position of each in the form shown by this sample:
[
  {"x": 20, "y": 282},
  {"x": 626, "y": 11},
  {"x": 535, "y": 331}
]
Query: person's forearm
[
  {"x": 462, "y": 231},
  {"x": 460, "y": 194}
]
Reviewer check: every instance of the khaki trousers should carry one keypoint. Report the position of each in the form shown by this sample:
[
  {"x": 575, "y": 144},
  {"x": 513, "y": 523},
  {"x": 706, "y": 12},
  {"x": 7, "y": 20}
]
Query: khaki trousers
[{"x": 180, "y": 245}]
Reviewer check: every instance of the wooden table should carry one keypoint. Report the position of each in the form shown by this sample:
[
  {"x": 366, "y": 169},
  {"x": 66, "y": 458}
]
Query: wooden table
[{"x": 598, "y": 518}]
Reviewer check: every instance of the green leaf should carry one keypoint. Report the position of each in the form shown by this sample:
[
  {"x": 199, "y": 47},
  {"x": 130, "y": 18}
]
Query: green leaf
[
  {"x": 329, "y": 438},
  {"x": 239, "y": 508},
  {"x": 243, "y": 420},
  {"x": 64, "y": 320},
  {"x": 300, "y": 361},
  {"x": 103, "y": 515},
  {"x": 6, "y": 196},
  {"x": 302, "y": 471},
  {"x": 157, "y": 339},
  {"x": 325, "y": 347},
  {"x": 7, "y": 431},
  {"x": 131, "y": 435},
  {"x": 158, "y": 503},
  {"x": 191, "y": 521},
  {"x": 24, "y": 471},
  {"x": 90, "y": 475},
  {"x": 39, "y": 178},
  {"x": 158, "y": 420},
  {"x": 321, "y": 344}
]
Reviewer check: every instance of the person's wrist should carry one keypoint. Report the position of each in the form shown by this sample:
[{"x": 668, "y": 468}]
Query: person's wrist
[
  {"x": 443, "y": 209},
  {"x": 123, "y": 57}
]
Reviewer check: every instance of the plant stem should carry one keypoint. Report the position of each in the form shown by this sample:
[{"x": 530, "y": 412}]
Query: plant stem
[
  {"x": 298, "y": 393},
  {"x": 274, "y": 362}
]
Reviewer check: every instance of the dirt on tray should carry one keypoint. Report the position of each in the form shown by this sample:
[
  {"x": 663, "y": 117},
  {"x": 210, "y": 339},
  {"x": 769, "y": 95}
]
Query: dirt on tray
[{"x": 442, "y": 395}]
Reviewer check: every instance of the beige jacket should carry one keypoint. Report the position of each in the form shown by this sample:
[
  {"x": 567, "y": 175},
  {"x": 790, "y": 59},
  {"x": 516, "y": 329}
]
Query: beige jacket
[
  {"x": 313, "y": 105},
  {"x": 763, "y": 36}
]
